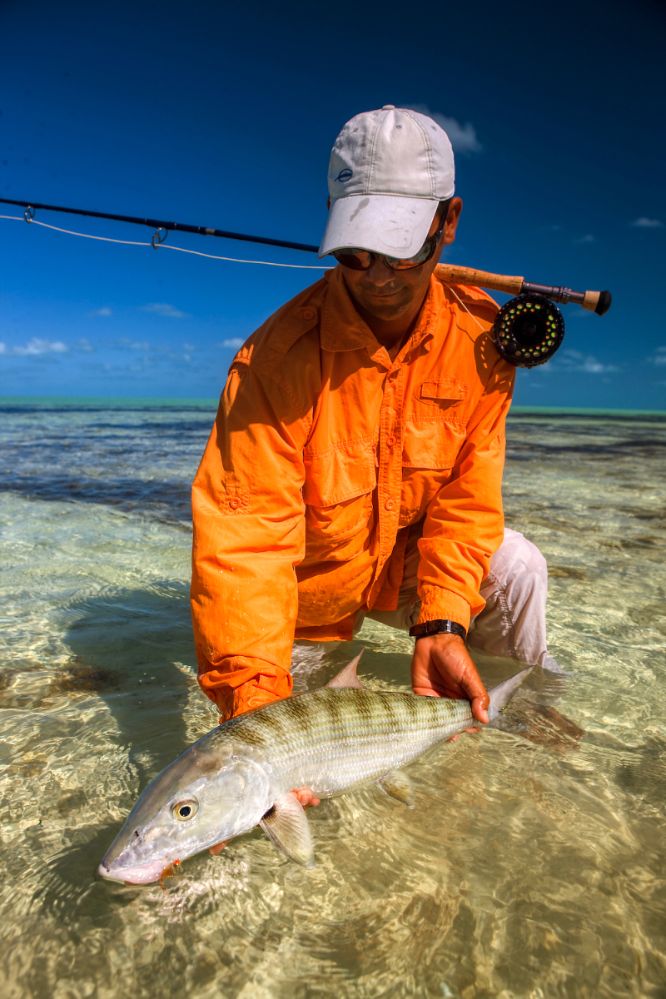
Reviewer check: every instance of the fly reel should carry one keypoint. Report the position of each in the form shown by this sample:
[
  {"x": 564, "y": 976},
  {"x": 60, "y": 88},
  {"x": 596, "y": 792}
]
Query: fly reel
[{"x": 528, "y": 330}]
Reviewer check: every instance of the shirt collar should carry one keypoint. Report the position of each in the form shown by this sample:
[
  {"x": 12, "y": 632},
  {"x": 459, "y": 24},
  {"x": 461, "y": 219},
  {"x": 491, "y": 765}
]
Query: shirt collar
[{"x": 342, "y": 328}]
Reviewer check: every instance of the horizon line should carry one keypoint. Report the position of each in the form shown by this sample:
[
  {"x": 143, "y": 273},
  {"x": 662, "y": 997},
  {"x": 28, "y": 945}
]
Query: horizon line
[{"x": 111, "y": 401}]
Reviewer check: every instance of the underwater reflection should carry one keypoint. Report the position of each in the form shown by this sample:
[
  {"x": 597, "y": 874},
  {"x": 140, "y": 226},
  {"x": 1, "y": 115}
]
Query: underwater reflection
[{"x": 124, "y": 643}]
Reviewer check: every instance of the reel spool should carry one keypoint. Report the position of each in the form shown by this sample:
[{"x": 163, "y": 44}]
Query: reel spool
[{"x": 528, "y": 330}]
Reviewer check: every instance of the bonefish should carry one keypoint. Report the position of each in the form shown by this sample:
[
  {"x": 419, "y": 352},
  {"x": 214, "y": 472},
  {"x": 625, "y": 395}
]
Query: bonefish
[{"x": 242, "y": 773}]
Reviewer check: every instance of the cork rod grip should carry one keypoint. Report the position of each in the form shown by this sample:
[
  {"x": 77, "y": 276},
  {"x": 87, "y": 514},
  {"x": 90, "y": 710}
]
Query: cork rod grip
[
  {"x": 453, "y": 274},
  {"x": 595, "y": 301}
]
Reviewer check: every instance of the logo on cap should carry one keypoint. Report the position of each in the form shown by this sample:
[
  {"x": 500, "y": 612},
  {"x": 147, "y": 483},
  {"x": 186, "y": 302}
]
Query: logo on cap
[{"x": 344, "y": 175}]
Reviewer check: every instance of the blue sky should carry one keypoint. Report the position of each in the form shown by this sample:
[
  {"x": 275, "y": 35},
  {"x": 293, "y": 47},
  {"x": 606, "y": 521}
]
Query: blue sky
[{"x": 224, "y": 115}]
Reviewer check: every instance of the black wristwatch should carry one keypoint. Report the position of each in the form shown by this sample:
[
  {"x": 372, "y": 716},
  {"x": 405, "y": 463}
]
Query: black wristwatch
[{"x": 437, "y": 628}]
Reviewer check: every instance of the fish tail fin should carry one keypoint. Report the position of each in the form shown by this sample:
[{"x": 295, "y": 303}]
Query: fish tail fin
[{"x": 504, "y": 691}]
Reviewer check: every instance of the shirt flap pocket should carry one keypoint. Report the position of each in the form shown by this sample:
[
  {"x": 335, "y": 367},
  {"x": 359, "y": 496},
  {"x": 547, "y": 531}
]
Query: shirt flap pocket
[
  {"x": 338, "y": 475},
  {"x": 445, "y": 391},
  {"x": 431, "y": 445}
]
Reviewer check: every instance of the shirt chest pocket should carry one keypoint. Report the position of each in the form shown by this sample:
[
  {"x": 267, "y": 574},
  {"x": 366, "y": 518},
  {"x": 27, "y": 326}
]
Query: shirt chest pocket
[
  {"x": 338, "y": 496},
  {"x": 435, "y": 429}
]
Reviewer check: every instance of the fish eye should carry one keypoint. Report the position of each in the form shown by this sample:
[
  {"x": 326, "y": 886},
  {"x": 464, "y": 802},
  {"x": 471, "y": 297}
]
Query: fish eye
[{"x": 184, "y": 810}]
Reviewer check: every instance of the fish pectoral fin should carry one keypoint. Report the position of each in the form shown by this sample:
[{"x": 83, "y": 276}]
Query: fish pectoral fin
[
  {"x": 398, "y": 786},
  {"x": 287, "y": 826}
]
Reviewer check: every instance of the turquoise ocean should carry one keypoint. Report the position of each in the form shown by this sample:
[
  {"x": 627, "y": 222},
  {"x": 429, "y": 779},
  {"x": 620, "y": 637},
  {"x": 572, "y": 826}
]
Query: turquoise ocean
[{"x": 533, "y": 861}]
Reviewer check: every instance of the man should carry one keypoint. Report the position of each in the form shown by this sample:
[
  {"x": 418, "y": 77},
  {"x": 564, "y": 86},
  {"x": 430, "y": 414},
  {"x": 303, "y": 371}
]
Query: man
[{"x": 356, "y": 461}]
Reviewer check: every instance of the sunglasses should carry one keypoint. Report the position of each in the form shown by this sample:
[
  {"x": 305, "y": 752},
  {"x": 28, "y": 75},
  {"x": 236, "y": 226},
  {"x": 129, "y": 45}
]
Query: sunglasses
[{"x": 362, "y": 260}]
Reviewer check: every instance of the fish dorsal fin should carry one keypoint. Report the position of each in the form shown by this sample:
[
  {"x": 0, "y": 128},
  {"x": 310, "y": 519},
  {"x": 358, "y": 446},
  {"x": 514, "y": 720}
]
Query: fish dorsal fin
[
  {"x": 347, "y": 676},
  {"x": 287, "y": 826}
]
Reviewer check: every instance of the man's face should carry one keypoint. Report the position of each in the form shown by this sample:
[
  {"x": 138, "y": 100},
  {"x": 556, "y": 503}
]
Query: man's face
[{"x": 391, "y": 296}]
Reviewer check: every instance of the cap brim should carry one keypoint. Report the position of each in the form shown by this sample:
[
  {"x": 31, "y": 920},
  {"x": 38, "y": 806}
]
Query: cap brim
[{"x": 382, "y": 223}]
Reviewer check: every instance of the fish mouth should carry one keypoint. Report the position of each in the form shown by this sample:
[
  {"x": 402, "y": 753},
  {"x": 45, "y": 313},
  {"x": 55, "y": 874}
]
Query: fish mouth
[{"x": 140, "y": 874}]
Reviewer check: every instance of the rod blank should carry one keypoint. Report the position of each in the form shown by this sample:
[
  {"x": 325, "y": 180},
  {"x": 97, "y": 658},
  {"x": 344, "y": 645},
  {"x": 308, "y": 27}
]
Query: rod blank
[{"x": 198, "y": 230}]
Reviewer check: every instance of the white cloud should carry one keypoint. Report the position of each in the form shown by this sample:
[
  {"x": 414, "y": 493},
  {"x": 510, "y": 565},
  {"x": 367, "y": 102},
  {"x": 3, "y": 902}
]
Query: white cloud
[
  {"x": 587, "y": 238},
  {"x": 659, "y": 357},
  {"x": 85, "y": 345},
  {"x": 463, "y": 137},
  {"x": 35, "y": 347},
  {"x": 646, "y": 223},
  {"x": 165, "y": 310},
  {"x": 102, "y": 313},
  {"x": 124, "y": 343},
  {"x": 574, "y": 360},
  {"x": 235, "y": 342}
]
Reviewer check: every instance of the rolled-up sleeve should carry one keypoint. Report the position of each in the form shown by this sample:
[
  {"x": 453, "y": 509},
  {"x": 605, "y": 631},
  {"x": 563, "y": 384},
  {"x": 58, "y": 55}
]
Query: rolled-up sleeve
[{"x": 249, "y": 534}]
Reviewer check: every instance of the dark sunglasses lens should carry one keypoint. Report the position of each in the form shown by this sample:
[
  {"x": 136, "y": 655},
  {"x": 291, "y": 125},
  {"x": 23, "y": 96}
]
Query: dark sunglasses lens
[
  {"x": 425, "y": 253},
  {"x": 408, "y": 264},
  {"x": 359, "y": 261}
]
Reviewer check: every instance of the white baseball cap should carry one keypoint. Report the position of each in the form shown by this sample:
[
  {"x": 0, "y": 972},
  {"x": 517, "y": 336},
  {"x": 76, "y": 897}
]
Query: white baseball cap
[{"x": 388, "y": 171}]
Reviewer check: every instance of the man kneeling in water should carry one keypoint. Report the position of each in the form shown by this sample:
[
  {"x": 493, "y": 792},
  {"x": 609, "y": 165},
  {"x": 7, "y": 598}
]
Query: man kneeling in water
[{"x": 355, "y": 465}]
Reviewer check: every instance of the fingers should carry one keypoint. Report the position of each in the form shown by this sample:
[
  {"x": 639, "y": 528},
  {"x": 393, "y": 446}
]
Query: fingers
[
  {"x": 218, "y": 848},
  {"x": 428, "y": 692},
  {"x": 306, "y": 796},
  {"x": 480, "y": 709},
  {"x": 472, "y": 730},
  {"x": 475, "y": 692}
]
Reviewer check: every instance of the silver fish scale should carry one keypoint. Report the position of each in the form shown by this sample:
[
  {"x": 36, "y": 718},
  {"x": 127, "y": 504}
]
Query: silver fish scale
[{"x": 333, "y": 738}]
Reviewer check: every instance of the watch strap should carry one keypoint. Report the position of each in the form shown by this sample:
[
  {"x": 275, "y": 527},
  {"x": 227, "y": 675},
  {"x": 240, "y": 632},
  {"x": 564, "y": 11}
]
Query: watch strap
[{"x": 438, "y": 627}]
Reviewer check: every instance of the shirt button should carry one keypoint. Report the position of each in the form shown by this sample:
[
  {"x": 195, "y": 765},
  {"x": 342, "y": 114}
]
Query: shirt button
[
  {"x": 234, "y": 503},
  {"x": 390, "y": 441},
  {"x": 389, "y": 504},
  {"x": 308, "y": 313}
]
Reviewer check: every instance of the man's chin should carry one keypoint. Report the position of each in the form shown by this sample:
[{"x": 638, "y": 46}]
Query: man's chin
[{"x": 384, "y": 307}]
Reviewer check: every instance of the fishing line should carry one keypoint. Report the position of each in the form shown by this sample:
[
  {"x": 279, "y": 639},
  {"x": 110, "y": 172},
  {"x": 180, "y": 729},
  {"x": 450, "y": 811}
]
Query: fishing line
[
  {"x": 237, "y": 260},
  {"x": 155, "y": 243}
]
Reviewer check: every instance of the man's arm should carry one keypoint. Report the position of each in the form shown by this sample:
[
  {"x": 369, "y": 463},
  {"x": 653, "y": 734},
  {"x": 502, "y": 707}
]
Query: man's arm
[
  {"x": 463, "y": 528},
  {"x": 249, "y": 532}
]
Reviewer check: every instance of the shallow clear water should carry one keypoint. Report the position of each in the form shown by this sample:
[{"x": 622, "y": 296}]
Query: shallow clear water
[{"x": 531, "y": 865}]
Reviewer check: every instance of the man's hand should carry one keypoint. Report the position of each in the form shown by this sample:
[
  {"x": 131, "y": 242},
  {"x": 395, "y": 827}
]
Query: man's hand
[
  {"x": 306, "y": 796},
  {"x": 442, "y": 667}
]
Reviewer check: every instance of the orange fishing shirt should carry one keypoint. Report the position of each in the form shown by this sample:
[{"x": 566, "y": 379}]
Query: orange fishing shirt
[{"x": 325, "y": 454}]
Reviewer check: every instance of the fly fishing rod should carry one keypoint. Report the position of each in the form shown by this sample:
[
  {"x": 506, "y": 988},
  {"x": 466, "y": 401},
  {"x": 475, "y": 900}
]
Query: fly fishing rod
[
  {"x": 528, "y": 328},
  {"x": 161, "y": 226}
]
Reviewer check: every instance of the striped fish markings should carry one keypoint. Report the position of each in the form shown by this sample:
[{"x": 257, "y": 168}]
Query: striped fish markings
[{"x": 241, "y": 774}]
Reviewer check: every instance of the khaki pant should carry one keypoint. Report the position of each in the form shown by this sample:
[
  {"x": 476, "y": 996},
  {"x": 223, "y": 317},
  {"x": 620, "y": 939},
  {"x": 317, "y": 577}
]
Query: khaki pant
[{"x": 513, "y": 622}]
